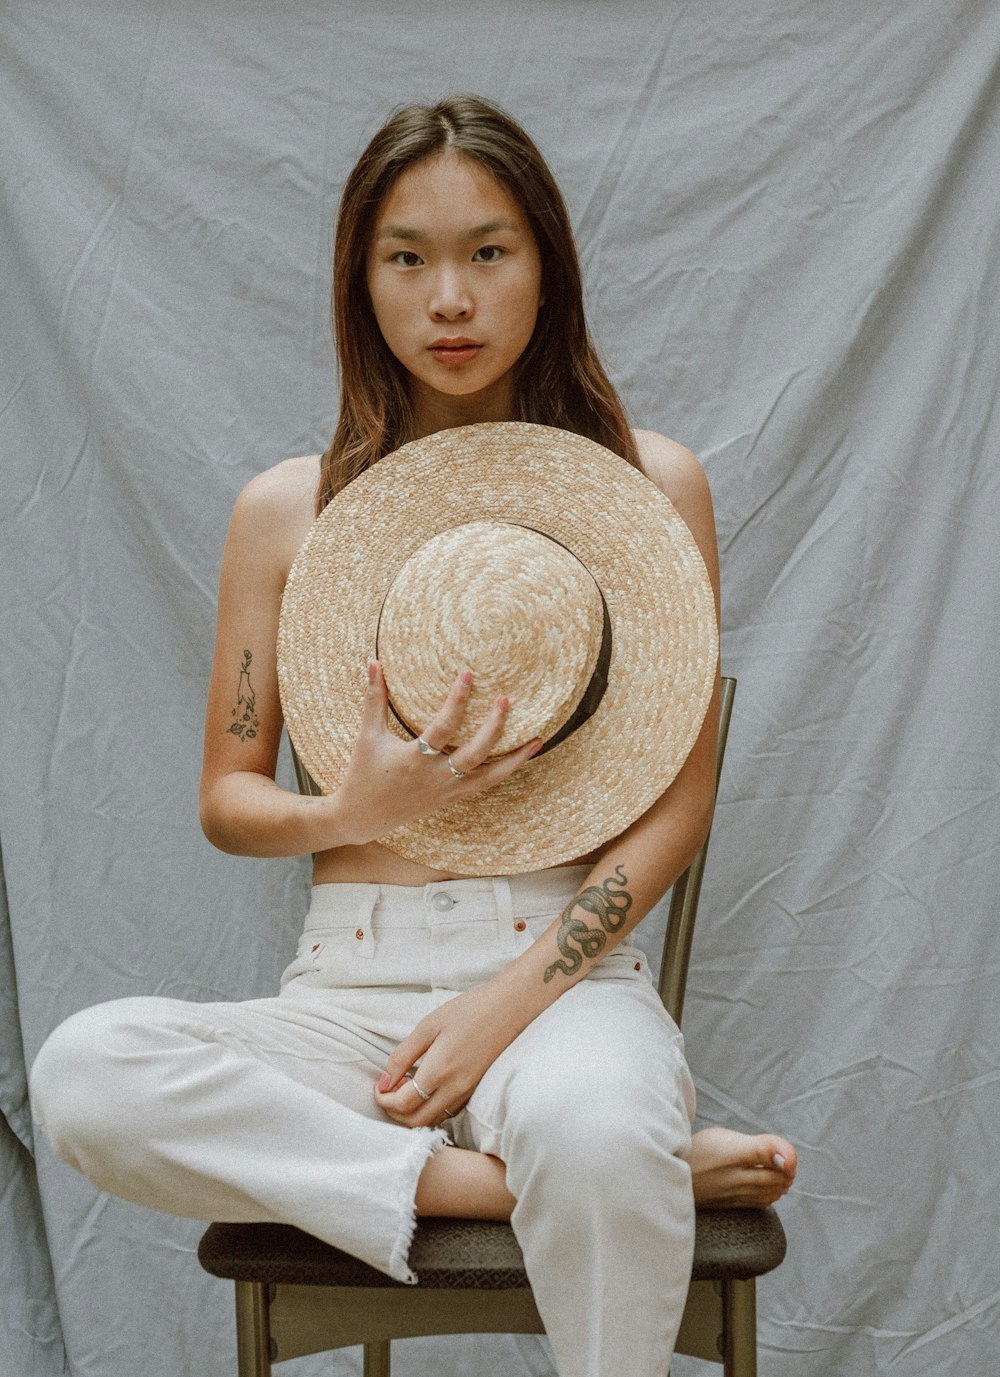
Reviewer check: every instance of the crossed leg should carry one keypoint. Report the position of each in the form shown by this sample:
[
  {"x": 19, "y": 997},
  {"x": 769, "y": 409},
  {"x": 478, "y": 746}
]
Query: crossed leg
[{"x": 727, "y": 1169}]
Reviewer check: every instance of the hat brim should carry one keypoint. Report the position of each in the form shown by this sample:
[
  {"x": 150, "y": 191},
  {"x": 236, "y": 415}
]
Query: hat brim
[{"x": 664, "y": 656}]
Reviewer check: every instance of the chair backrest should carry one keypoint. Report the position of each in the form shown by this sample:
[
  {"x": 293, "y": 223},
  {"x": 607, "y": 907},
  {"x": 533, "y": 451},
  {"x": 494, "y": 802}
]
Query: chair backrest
[
  {"x": 687, "y": 887},
  {"x": 687, "y": 890}
]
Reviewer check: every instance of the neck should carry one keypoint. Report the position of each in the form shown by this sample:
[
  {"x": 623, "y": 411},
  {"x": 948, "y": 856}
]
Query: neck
[{"x": 434, "y": 411}]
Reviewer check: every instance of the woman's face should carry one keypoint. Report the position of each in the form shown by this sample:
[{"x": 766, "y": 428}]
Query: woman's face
[{"x": 454, "y": 277}]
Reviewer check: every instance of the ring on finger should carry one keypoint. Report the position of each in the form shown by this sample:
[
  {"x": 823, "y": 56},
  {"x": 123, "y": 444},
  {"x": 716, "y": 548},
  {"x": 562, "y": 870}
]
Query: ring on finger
[
  {"x": 424, "y": 1094},
  {"x": 456, "y": 774},
  {"x": 425, "y": 747}
]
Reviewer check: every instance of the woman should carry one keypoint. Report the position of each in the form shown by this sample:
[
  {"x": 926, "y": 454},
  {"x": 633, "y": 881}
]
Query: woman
[{"x": 457, "y": 300}]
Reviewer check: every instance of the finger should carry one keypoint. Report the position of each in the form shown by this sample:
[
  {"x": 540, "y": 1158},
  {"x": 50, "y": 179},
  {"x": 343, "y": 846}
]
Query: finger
[
  {"x": 407, "y": 1105},
  {"x": 376, "y": 701},
  {"x": 491, "y": 772},
  {"x": 402, "y": 1058},
  {"x": 444, "y": 725},
  {"x": 481, "y": 743},
  {"x": 403, "y": 1101}
]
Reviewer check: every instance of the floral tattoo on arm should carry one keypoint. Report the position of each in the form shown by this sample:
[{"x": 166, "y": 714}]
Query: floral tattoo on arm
[
  {"x": 245, "y": 721},
  {"x": 609, "y": 906}
]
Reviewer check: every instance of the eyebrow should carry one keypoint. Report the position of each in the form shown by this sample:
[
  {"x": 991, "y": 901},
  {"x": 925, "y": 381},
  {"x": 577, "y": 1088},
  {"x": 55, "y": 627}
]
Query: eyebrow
[{"x": 414, "y": 236}]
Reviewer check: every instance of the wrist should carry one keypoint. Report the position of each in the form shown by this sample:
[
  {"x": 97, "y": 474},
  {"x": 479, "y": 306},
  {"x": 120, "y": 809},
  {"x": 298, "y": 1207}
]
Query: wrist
[
  {"x": 330, "y": 824},
  {"x": 521, "y": 992}
]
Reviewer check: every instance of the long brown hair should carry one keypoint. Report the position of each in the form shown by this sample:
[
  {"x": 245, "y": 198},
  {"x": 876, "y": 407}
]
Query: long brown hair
[{"x": 558, "y": 380}]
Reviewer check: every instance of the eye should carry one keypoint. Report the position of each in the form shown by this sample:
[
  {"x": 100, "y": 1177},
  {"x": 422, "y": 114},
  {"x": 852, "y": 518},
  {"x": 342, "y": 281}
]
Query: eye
[
  {"x": 406, "y": 258},
  {"x": 489, "y": 253}
]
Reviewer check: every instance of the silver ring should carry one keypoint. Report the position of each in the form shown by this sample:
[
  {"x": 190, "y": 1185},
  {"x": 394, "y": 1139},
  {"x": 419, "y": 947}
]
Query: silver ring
[
  {"x": 425, "y": 747},
  {"x": 456, "y": 774},
  {"x": 422, "y": 1093}
]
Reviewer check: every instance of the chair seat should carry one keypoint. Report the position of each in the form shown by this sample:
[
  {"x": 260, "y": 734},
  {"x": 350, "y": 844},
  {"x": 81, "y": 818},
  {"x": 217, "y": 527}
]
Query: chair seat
[{"x": 458, "y": 1254}]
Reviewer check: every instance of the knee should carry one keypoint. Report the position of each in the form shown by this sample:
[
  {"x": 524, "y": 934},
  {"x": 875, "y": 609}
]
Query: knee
[
  {"x": 606, "y": 1129},
  {"x": 80, "y": 1084}
]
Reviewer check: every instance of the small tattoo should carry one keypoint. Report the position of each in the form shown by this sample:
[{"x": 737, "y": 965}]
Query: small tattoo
[
  {"x": 246, "y": 720},
  {"x": 608, "y": 905}
]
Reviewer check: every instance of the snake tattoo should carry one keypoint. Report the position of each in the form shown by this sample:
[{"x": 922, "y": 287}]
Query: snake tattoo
[{"x": 609, "y": 906}]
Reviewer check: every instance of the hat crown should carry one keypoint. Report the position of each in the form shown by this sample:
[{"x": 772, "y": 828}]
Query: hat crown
[{"x": 505, "y": 601}]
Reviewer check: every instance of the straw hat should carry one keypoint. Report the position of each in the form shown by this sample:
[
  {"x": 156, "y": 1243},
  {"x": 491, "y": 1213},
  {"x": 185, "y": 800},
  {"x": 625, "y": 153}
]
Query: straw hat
[{"x": 543, "y": 563}]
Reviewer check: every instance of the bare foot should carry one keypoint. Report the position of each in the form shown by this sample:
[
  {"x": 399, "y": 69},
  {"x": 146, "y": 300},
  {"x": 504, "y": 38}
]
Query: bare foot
[
  {"x": 730, "y": 1168},
  {"x": 727, "y": 1169},
  {"x": 464, "y": 1184}
]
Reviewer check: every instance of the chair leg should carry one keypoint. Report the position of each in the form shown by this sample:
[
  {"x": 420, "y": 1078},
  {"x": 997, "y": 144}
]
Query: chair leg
[
  {"x": 377, "y": 1359},
  {"x": 253, "y": 1337},
  {"x": 739, "y": 1310}
]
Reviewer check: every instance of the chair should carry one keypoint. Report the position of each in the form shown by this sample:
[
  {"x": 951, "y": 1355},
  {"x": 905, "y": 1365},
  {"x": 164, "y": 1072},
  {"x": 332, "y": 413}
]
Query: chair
[{"x": 297, "y": 1295}]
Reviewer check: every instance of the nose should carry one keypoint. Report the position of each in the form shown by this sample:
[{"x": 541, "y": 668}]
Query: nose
[{"x": 450, "y": 297}]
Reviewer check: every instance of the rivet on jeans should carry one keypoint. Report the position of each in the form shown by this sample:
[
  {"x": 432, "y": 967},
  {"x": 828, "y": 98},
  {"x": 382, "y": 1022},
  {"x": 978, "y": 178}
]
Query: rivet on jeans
[
  {"x": 520, "y": 925},
  {"x": 360, "y": 934}
]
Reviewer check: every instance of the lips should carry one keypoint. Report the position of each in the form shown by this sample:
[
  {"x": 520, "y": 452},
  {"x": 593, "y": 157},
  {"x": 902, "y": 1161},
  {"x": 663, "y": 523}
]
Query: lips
[{"x": 455, "y": 351}]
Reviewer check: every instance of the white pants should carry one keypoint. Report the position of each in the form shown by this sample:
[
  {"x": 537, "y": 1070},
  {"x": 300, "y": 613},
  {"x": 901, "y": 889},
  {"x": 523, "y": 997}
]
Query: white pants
[{"x": 263, "y": 1110}]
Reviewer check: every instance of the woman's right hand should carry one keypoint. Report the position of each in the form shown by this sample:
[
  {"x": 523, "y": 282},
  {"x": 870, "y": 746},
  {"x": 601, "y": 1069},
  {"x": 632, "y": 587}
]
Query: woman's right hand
[{"x": 390, "y": 782}]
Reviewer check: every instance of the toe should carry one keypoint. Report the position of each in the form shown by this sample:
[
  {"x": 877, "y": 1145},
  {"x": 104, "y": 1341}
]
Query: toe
[{"x": 776, "y": 1153}]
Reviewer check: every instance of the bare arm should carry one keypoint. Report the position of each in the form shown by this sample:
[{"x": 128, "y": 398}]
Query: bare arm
[
  {"x": 387, "y": 782},
  {"x": 647, "y": 858},
  {"x": 243, "y": 810}
]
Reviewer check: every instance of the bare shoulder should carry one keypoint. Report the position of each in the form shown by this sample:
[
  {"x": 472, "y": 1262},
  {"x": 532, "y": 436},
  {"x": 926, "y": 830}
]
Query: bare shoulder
[
  {"x": 285, "y": 487},
  {"x": 673, "y": 468},
  {"x": 681, "y": 478},
  {"x": 276, "y": 508}
]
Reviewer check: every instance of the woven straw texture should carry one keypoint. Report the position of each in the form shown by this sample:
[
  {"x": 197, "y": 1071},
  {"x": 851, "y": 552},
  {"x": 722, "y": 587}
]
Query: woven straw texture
[
  {"x": 637, "y": 550},
  {"x": 455, "y": 1254},
  {"x": 514, "y": 608}
]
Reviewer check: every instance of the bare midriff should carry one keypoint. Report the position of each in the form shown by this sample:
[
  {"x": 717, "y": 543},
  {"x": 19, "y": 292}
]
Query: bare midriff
[{"x": 376, "y": 864}]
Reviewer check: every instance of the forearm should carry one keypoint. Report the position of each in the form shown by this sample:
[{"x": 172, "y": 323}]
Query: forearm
[
  {"x": 248, "y": 814},
  {"x": 632, "y": 874}
]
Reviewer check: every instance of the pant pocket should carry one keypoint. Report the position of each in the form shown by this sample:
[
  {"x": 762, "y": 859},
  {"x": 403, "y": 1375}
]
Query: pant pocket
[{"x": 307, "y": 961}]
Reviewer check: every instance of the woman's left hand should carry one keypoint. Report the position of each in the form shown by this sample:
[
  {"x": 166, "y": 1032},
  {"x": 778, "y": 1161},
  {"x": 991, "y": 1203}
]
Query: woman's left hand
[{"x": 455, "y": 1046}]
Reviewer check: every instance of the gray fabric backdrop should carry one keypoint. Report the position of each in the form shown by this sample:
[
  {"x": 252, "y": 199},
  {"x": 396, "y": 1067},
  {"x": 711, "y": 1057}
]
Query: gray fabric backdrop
[{"x": 786, "y": 216}]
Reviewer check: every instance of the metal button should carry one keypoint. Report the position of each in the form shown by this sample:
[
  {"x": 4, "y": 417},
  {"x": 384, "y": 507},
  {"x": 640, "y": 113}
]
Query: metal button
[{"x": 443, "y": 902}]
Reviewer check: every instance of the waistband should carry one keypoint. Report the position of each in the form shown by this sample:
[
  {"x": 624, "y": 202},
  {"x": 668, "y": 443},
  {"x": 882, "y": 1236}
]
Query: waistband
[{"x": 445, "y": 901}]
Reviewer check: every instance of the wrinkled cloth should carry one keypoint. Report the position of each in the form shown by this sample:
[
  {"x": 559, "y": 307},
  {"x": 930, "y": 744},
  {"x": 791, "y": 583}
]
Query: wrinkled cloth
[{"x": 786, "y": 218}]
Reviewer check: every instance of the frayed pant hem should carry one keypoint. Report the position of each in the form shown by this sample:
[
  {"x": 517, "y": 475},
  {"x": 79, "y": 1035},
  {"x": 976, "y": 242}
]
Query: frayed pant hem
[{"x": 429, "y": 1141}]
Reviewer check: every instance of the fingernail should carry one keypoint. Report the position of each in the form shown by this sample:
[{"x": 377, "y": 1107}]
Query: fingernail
[
  {"x": 536, "y": 748},
  {"x": 384, "y": 1081},
  {"x": 778, "y": 1161},
  {"x": 503, "y": 702},
  {"x": 372, "y": 671},
  {"x": 466, "y": 676}
]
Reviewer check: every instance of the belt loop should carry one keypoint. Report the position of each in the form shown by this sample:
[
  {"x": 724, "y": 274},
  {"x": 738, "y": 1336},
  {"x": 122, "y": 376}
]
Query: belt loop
[
  {"x": 364, "y": 933},
  {"x": 505, "y": 912}
]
